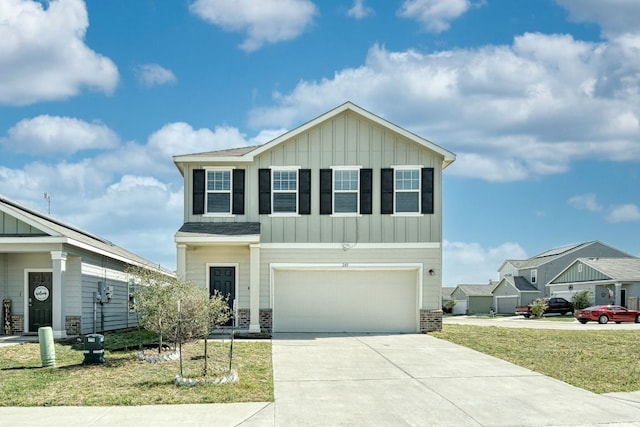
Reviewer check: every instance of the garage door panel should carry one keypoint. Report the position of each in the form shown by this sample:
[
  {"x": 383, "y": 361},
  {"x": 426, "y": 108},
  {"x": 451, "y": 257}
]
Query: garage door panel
[
  {"x": 506, "y": 305},
  {"x": 345, "y": 301}
]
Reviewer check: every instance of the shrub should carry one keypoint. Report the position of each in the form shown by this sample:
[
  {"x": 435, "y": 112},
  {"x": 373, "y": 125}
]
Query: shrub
[
  {"x": 582, "y": 299},
  {"x": 538, "y": 307},
  {"x": 448, "y": 306}
]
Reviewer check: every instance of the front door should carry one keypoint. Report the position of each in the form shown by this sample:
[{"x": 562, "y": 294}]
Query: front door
[
  {"x": 40, "y": 306},
  {"x": 223, "y": 280}
]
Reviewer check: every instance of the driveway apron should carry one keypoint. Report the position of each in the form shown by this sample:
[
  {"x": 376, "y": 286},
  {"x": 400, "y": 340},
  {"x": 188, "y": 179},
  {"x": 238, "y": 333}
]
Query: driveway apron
[{"x": 419, "y": 380}]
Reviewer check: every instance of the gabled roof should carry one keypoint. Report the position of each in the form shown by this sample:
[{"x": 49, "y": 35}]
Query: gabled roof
[
  {"x": 56, "y": 231},
  {"x": 520, "y": 283},
  {"x": 548, "y": 255},
  {"x": 616, "y": 269},
  {"x": 446, "y": 292},
  {"x": 247, "y": 154},
  {"x": 476, "y": 290}
]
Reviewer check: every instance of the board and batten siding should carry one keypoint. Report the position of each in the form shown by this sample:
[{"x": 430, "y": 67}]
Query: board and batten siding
[
  {"x": 12, "y": 226},
  {"x": 346, "y": 140},
  {"x": 429, "y": 258},
  {"x": 574, "y": 274}
]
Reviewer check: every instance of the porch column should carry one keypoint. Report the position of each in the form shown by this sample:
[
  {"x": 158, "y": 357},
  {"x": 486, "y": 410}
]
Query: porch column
[
  {"x": 254, "y": 287},
  {"x": 181, "y": 267},
  {"x": 59, "y": 264},
  {"x": 618, "y": 293}
]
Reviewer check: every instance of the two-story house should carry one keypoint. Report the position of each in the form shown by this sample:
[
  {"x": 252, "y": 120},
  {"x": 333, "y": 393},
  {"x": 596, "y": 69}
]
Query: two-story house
[
  {"x": 523, "y": 281},
  {"x": 334, "y": 226}
]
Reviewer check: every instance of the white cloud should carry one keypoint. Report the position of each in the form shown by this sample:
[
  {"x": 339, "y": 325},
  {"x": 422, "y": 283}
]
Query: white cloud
[
  {"x": 613, "y": 16},
  {"x": 43, "y": 56},
  {"x": 360, "y": 10},
  {"x": 471, "y": 263},
  {"x": 586, "y": 201},
  {"x": 512, "y": 112},
  {"x": 154, "y": 75},
  {"x": 624, "y": 213},
  {"x": 58, "y": 135},
  {"x": 435, "y": 15},
  {"x": 264, "y": 21}
]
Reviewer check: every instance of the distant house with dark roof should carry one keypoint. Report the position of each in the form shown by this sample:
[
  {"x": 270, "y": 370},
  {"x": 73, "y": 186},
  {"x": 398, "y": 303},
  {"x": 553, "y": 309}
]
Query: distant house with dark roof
[
  {"x": 473, "y": 299},
  {"x": 611, "y": 280},
  {"x": 523, "y": 281},
  {"x": 55, "y": 274}
]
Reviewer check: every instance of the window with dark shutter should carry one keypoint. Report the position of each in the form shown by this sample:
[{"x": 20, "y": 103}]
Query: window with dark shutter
[
  {"x": 386, "y": 191},
  {"x": 427, "y": 190},
  {"x": 238, "y": 192},
  {"x": 198, "y": 193},
  {"x": 326, "y": 207},
  {"x": 366, "y": 187},
  {"x": 304, "y": 191},
  {"x": 264, "y": 191}
]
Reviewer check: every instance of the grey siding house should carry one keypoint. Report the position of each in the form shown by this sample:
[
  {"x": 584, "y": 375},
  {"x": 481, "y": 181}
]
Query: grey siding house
[
  {"x": 523, "y": 281},
  {"x": 333, "y": 226},
  {"x": 54, "y": 274},
  {"x": 473, "y": 299},
  {"x": 610, "y": 280}
]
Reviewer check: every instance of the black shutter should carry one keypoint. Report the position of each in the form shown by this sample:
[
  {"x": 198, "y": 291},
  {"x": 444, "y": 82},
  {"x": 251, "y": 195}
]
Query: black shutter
[
  {"x": 326, "y": 207},
  {"x": 304, "y": 191},
  {"x": 264, "y": 190},
  {"x": 366, "y": 183},
  {"x": 238, "y": 192},
  {"x": 197, "y": 196},
  {"x": 427, "y": 190},
  {"x": 386, "y": 187}
]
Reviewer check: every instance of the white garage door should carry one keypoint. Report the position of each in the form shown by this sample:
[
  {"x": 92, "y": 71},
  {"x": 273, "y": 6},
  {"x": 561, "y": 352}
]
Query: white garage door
[
  {"x": 345, "y": 301},
  {"x": 506, "y": 305},
  {"x": 460, "y": 307}
]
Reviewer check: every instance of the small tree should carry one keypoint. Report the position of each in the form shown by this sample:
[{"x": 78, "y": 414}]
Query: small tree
[
  {"x": 582, "y": 299},
  {"x": 162, "y": 301},
  {"x": 448, "y": 306},
  {"x": 538, "y": 307}
]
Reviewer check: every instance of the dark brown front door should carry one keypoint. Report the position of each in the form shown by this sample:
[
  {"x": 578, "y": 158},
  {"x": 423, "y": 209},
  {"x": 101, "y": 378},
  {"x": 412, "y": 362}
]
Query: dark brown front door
[
  {"x": 40, "y": 292},
  {"x": 223, "y": 279}
]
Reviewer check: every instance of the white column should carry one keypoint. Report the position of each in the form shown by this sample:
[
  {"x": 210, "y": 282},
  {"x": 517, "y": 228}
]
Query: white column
[
  {"x": 181, "y": 266},
  {"x": 59, "y": 264},
  {"x": 618, "y": 293},
  {"x": 254, "y": 287}
]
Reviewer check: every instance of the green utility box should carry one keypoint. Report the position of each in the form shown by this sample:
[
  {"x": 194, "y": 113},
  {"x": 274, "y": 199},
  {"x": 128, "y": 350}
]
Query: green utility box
[{"x": 93, "y": 349}]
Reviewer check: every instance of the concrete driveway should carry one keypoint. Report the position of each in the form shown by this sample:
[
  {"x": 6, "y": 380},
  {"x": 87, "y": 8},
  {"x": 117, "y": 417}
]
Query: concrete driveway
[{"x": 419, "y": 380}]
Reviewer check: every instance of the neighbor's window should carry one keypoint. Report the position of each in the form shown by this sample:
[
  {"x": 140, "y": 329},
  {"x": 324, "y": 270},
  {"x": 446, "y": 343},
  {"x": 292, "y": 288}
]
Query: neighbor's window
[
  {"x": 345, "y": 190},
  {"x": 534, "y": 276},
  {"x": 132, "y": 299},
  {"x": 285, "y": 191},
  {"x": 407, "y": 190},
  {"x": 219, "y": 191}
]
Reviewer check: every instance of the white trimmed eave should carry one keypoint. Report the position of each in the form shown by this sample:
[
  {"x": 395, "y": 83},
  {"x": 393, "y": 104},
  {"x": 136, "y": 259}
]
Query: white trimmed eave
[
  {"x": 448, "y": 156},
  {"x": 194, "y": 239}
]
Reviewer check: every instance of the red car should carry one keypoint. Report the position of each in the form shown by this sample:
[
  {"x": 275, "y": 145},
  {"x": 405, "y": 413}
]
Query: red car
[{"x": 604, "y": 313}]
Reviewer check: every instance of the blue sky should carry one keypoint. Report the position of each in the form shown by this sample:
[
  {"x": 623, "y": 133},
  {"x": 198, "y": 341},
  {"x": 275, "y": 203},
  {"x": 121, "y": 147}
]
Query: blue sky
[{"x": 539, "y": 99}]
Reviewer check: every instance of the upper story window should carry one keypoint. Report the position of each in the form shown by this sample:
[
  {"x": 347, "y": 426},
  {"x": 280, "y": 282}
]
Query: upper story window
[
  {"x": 219, "y": 191},
  {"x": 345, "y": 190},
  {"x": 285, "y": 191},
  {"x": 346, "y": 186},
  {"x": 534, "y": 276},
  {"x": 407, "y": 190}
]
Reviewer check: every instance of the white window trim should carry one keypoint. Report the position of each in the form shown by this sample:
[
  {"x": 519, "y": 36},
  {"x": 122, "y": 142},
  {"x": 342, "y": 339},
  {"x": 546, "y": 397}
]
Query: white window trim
[
  {"x": 534, "y": 276},
  {"x": 333, "y": 191},
  {"x": 295, "y": 169},
  {"x": 206, "y": 190},
  {"x": 396, "y": 191}
]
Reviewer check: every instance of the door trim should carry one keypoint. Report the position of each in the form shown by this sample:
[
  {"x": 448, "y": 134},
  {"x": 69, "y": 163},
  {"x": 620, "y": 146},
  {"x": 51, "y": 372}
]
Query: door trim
[
  {"x": 25, "y": 327},
  {"x": 236, "y": 266}
]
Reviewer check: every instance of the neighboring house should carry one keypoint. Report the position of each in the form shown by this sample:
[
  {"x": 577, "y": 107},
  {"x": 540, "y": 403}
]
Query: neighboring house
[
  {"x": 523, "y": 281},
  {"x": 333, "y": 226},
  {"x": 446, "y": 294},
  {"x": 611, "y": 280},
  {"x": 473, "y": 299},
  {"x": 54, "y": 274}
]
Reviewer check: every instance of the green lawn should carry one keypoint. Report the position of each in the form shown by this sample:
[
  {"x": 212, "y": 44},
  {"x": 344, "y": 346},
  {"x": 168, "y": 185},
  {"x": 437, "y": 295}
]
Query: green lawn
[
  {"x": 124, "y": 380},
  {"x": 600, "y": 361}
]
